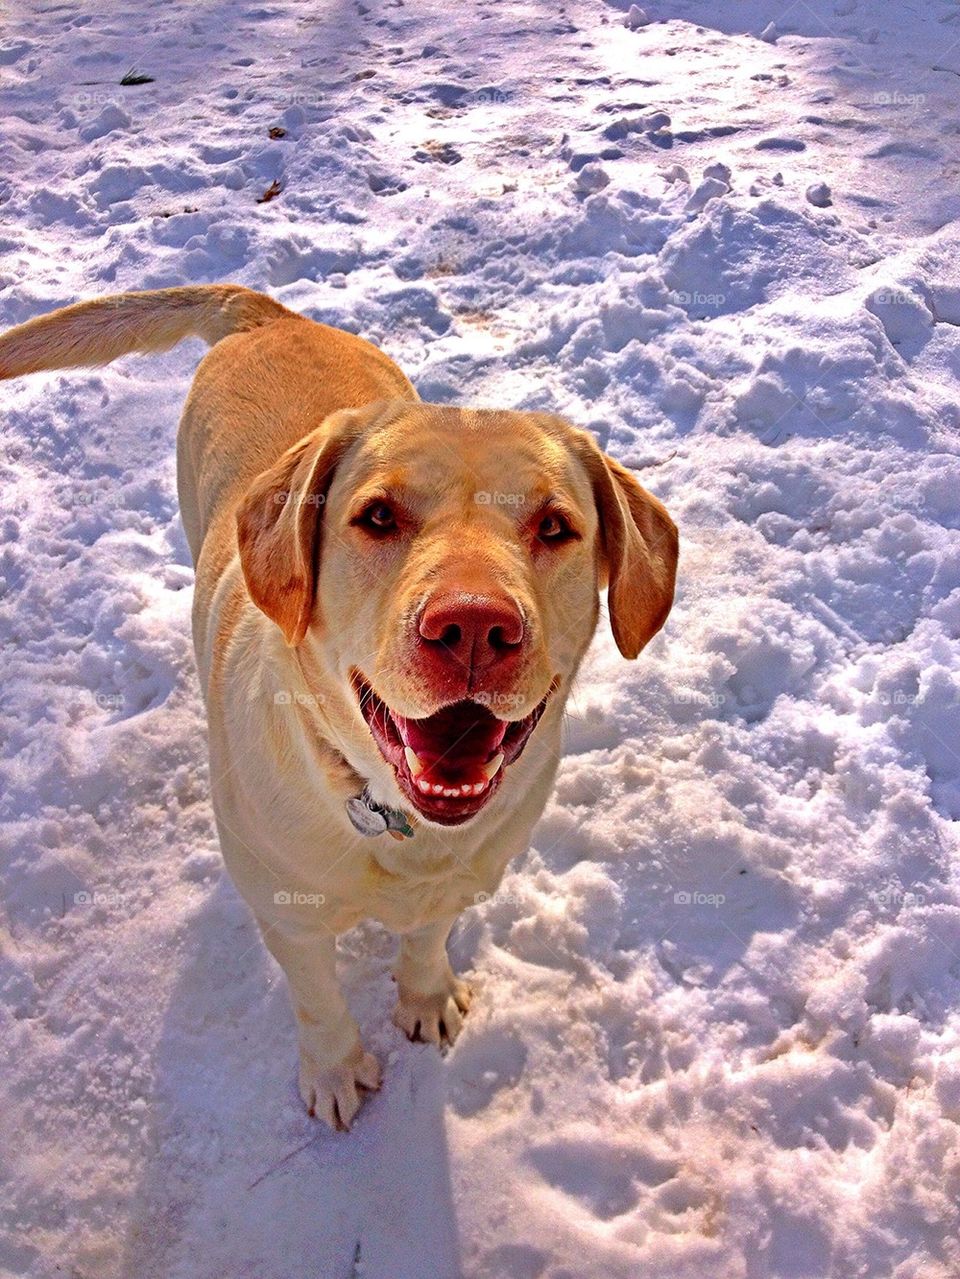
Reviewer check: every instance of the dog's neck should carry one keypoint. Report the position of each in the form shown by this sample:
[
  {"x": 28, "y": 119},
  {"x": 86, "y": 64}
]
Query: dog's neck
[{"x": 367, "y": 816}]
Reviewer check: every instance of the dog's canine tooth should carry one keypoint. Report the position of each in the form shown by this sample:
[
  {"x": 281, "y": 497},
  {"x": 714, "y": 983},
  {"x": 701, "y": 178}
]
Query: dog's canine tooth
[
  {"x": 490, "y": 770},
  {"x": 414, "y": 762}
]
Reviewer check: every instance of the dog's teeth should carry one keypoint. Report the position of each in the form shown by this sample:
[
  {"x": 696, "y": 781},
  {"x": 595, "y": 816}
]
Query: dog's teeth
[
  {"x": 463, "y": 791},
  {"x": 490, "y": 770}
]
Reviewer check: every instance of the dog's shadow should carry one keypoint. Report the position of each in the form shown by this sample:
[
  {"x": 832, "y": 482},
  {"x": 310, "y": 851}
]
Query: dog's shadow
[{"x": 239, "y": 1181}]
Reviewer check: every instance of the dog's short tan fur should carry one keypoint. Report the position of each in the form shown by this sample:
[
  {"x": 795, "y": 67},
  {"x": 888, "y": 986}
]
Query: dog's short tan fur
[{"x": 289, "y": 426}]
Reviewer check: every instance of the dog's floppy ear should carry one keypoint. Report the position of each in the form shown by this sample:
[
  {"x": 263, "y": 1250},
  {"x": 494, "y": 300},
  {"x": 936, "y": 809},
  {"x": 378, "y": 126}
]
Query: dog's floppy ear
[
  {"x": 279, "y": 523},
  {"x": 639, "y": 545}
]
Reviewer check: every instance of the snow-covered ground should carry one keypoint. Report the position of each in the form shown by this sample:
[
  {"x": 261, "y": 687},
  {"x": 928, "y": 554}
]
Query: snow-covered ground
[{"x": 717, "y": 1030}]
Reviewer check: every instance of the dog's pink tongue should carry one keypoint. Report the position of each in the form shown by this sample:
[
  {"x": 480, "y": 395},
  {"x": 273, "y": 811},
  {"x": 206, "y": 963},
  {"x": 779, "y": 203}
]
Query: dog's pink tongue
[{"x": 460, "y": 733}]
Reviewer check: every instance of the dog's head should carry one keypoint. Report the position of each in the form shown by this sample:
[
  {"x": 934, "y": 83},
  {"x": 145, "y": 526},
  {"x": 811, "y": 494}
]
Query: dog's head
[{"x": 444, "y": 564}]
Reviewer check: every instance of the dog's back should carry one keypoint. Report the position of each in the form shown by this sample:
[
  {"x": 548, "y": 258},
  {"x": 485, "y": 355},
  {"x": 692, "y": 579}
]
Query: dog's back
[{"x": 271, "y": 377}]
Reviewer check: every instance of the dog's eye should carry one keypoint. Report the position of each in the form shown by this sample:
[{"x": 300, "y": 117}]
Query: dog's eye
[
  {"x": 378, "y": 518},
  {"x": 554, "y": 528}
]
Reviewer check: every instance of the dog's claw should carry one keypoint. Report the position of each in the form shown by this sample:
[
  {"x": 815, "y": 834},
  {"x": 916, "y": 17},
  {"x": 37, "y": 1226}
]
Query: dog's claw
[
  {"x": 335, "y": 1093},
  {"x": 435, "y": 1018}
]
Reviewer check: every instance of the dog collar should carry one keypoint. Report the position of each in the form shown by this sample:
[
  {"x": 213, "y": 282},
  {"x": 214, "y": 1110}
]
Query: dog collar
[{"x": 371, "y": 818}]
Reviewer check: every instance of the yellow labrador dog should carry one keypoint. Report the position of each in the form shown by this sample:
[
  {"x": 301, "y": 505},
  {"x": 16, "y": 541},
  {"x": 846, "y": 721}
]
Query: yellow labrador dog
[{"x": 392, "y": 599}]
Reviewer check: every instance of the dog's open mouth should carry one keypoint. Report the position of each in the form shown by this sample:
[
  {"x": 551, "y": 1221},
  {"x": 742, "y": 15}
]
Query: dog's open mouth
[{"x": 451, "y": 763}]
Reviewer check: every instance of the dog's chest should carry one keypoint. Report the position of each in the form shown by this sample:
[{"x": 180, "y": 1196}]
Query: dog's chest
[{"x": 406, "y": 889}]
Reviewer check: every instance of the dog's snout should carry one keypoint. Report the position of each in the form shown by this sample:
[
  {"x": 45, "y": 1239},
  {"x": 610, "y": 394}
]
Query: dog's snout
[{"x": 474, "y": 631}]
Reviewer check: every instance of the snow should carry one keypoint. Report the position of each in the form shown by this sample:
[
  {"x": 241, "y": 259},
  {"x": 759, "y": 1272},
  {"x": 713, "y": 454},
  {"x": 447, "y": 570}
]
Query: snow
[{"x": 716, "y": 1029}]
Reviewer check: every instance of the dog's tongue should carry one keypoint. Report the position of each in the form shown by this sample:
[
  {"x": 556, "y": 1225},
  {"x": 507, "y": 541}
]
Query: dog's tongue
[{"x": 461, "y": 734}]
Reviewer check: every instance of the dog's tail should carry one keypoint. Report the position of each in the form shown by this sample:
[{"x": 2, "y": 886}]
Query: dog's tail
[{"x": 97, "y": 332}]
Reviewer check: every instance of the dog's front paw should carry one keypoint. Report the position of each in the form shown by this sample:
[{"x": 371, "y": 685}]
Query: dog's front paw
[
  {"x": 334, "y": 1093},
  {"x": 436, "y": 1017}
]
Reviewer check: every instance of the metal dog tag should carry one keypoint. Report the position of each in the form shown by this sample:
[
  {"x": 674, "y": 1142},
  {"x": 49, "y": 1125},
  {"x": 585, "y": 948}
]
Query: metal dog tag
[{"x": 371, "y": 819}]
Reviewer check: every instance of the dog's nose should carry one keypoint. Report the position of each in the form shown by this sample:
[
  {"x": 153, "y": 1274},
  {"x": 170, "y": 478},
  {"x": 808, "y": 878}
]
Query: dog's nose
[{"x": 473, "y": 631}]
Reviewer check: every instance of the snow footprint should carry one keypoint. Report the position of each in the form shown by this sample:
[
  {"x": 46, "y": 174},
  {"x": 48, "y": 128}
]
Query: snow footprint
[
  {"x": 383, "y": 183},
  {"x": 437, "y": 152},
  {"x": 12, "y": 51},
  {"x": 607, "y": 1177},
  {"x": 485, "y": 1064},
  {"x": 518, "y": 1260}
]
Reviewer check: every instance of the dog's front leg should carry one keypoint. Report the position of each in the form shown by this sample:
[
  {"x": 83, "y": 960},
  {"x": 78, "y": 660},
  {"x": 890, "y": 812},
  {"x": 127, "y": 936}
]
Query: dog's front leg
[
  {"x": 432, "y": 1000},
  {"x": 333, "y": 1065}
]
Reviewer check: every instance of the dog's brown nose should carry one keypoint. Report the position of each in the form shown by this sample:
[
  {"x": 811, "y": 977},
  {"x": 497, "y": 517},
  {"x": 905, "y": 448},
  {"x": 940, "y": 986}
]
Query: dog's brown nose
[{"x": 471, "y": 631}]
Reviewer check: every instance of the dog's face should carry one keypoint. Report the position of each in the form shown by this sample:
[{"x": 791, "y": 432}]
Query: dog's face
[{"x": 444, "y": 564}]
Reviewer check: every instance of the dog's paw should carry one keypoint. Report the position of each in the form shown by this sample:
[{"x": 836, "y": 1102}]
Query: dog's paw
[
  {"x": 335, "y": 1093},
  {"x": 434, "y": 1018}
]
